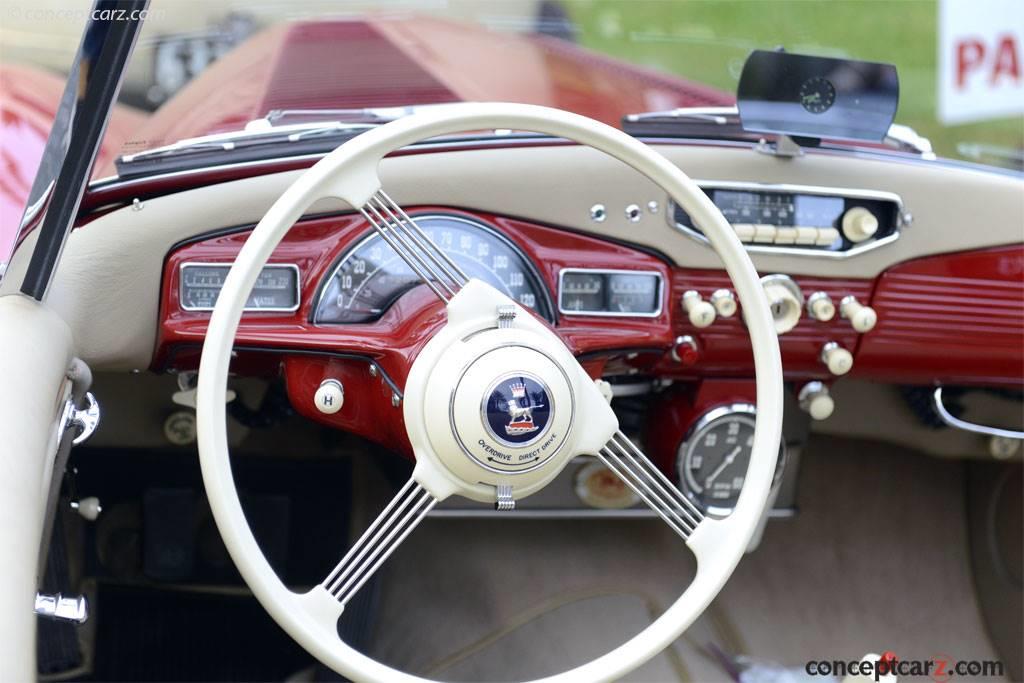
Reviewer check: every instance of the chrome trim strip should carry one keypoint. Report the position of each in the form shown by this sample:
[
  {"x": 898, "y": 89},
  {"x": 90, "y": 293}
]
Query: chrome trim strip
[
  {"x": 247, "y": 309},
  {"x": 573, "y": 513},
  {"x": 952, "y": 421},
  {"x": 845, "y": 192},
  {"x": 612, "y": 271}
]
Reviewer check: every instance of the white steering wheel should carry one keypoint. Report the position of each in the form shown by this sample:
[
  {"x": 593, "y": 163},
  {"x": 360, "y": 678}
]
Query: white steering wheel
[{"x": 508, "y": 407}]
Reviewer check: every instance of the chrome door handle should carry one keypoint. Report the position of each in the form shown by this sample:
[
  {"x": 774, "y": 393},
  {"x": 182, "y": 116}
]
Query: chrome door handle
[{"x": 952, "y": 421}]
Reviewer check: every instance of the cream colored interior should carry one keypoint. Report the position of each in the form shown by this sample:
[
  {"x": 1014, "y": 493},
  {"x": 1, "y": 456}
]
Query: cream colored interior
[{"x": 108, "y": 288}]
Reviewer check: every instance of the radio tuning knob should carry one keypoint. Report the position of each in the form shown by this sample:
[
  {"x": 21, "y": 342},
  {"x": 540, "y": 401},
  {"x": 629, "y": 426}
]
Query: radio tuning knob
[
  {"x": 701, "y": 313},
  {"x": 816, "y": 401},
  {"x": 862, "y": 318},
  {"x": 820, "y": 307},
  {"x": 838, "y": 360},
  {"x": 724, "y": 302},
  {"x": 859, "y": 224}
]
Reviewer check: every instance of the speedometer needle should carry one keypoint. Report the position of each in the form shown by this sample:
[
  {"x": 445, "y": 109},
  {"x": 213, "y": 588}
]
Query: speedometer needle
[{"x": 728, "y": 460}]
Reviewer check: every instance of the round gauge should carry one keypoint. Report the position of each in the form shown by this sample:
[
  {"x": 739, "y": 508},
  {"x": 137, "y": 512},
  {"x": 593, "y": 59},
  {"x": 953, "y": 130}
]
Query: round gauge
[
  {"x": 817, "y": 95},
  {"x": 712, "y": 461},
  {"x": 371, "y": 277}
]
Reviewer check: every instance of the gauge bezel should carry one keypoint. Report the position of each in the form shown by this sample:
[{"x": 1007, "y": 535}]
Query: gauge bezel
[
  {"x": 612, "y": 271},
  {"x": 716, "y": 414},
  {"x": 544, "y": 292},
  {"x": 227, "y": 266}
]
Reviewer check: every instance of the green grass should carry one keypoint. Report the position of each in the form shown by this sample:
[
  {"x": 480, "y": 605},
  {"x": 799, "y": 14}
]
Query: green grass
[{"x": 708, "y": 41}]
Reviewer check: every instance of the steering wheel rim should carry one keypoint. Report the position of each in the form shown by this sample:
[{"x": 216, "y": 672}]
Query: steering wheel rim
[{"x": 350, "y": 173}]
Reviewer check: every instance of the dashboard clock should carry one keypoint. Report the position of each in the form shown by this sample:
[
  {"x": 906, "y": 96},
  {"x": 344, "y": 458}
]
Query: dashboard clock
[
  {"x": 712, "y": 461},
  {"x": 817, "y": 95}
]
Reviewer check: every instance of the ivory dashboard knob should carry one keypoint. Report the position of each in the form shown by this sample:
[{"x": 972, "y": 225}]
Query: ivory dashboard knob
[
  {"x": 820, "y": 307},
  {"x": 785, "y": 300},
  {"x": 816, "y": 401},
  {"x": 862, "y": 318},
  {"x": 838, "y": 360},
  {"x": 700, "y": 312},
  {"x": 724, "y": 302},
  {"x": 859, "y": 224},
  {"x": 329, "y": 396}
]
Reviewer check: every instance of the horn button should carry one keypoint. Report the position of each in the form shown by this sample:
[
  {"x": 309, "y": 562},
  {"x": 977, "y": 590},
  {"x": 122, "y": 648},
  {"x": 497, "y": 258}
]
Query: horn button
[{"x": 511, "y": 409}]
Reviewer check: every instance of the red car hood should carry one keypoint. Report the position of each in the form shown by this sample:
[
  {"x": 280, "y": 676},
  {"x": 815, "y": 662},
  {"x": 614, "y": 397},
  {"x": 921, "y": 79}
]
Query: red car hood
[{"x": 355, "y": 64}]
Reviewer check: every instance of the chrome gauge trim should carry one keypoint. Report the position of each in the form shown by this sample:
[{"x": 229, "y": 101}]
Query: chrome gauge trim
[
  {"x": 612, "y": 271},
  {"x": 746, "y": 411},
  {"x": 247, "y": 309},
  {"x": 845, "y": 192},
  {"x": 542, "y": 289}
]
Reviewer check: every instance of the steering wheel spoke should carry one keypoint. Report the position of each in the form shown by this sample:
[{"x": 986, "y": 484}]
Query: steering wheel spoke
[
  {"x": 641, "y": 475},
  {"x": 413, "y": 245},
  {"x": 403, "y": 514}
]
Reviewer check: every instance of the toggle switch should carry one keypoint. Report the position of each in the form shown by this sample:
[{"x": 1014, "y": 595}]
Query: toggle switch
[
  {"x": 862, "y": 318},
  {"x": 838, "y": 360},
  {"x": 701, "y": 313},
  {"x": 329, "y": 397}
]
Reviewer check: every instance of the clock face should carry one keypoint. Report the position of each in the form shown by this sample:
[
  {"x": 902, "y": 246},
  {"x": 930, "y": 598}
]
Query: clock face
[{"x": 817, "y": 95}]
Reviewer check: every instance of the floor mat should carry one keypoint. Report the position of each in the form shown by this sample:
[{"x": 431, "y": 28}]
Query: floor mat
[
  {"x": 194, "y": 638},
  {"x": 876, "y": 560}
]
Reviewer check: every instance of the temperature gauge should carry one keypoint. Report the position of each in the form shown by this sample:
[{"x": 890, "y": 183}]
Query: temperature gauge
[{"x": 276, "y": 288}]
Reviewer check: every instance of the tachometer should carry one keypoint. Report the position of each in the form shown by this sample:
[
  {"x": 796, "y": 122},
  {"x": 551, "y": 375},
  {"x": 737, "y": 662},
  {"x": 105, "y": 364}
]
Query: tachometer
[{"x": 370, "y": 277}]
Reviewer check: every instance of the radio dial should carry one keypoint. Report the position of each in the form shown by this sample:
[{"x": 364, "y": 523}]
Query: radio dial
[{"x": 859, "y": 224}]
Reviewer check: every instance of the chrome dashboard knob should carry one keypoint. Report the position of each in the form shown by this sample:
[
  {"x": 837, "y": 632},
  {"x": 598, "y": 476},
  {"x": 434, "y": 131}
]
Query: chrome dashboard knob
[
  {"x": 820, "y": 307},
  {"x": 838, "y": 360},
  {"x": 816, "y": 401},
  {"x": 700, "y": 312},
  {"x": 724, "y": 302},
  {"x": 862, "y": 318}
]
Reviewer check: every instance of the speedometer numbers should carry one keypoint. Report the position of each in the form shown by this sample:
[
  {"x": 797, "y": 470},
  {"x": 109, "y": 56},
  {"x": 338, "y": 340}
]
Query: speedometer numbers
[
  {"x": 712, "y": 462},
  {"x": 370, "y": 277}
]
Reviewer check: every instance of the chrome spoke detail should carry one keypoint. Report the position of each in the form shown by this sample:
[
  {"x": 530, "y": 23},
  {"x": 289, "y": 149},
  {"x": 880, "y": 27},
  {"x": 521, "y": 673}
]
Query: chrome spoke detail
[
  {"x": 623, "y": 458},
  {"x": 388, "y": 201},
  {"x": 364, "y": 558},
  {"x": 428, "y": 261}
]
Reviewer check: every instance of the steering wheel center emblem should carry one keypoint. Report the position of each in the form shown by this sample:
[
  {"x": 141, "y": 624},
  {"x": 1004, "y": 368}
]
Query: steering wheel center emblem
[{"x": 517, "y": 409}]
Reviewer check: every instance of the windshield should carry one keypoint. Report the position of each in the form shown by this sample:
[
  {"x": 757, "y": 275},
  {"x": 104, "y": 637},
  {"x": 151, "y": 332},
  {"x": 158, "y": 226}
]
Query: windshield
[{"x": 204, "y": 69}]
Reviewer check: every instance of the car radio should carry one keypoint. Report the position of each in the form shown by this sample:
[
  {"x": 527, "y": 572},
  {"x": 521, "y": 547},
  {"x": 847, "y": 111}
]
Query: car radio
[{"x": 801, "y": 219}]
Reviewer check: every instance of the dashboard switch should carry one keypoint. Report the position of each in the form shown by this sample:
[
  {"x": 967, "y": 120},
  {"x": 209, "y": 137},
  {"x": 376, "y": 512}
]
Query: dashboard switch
[
  {"x": 745, "y": 231},
  {"x": 764, "y": 233},
  {"x": 724, "y": 302},
  {"x": 862, "y": 318},
  {"x": 820, "y": 307},
  {"x": 826, "y": 237},
  {"x": 816, "y": 401},
  {"x": 785, "y": 235},
  {"x": 838, "y": 360},
  {"x": 701, "y": 313},
  {"x": 859, "y": 224},
  {"x": 805, "y": 235},
  {"x": 329, "y": 397},
  {"x": 685, "y": 350}
]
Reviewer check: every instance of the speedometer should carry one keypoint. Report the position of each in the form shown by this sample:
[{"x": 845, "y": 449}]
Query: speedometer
[{"x": 371, "y": 276}]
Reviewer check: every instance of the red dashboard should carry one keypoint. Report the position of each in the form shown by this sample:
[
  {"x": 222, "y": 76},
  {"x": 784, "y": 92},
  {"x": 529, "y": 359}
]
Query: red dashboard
[{"x": 954, "y": 318}]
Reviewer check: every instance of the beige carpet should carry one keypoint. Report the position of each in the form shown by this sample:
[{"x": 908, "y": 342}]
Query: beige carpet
[{"x": 876, "y": 560}]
